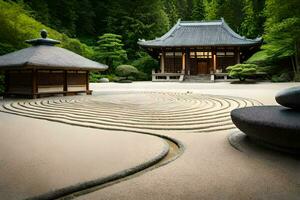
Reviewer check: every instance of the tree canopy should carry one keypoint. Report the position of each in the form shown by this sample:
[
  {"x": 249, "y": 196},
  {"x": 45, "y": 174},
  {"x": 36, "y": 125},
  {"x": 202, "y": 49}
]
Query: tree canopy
[{"x": 110, "y": 50}]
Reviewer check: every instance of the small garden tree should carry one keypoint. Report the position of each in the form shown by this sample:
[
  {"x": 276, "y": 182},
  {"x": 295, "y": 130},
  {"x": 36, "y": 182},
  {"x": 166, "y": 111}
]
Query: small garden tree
[
  {"x": 110, "y": 50},
  {"x": 242, "y": 71},
  {"x": 126, "y": 71},
  {"x": 145, "y": 64}
]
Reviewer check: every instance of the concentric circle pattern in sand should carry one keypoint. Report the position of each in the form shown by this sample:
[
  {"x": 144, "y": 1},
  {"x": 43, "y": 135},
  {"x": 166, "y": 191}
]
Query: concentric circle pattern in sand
[{"x": 137, "y": 111}]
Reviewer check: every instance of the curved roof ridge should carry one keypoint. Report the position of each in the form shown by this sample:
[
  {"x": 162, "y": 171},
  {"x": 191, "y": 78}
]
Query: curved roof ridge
[
  {"x": 201, "y": 23},
  {"x": 230, "y": 31},
  {"x": 198, "y": 21},
  {"x": 170, "y": 32},
  {"x": 165, "y": 36},
  {"x": 234, "y": 34}
]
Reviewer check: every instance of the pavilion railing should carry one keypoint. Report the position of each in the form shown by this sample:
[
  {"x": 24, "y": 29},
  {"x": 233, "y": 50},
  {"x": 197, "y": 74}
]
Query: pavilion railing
[{"x": 167, "y": 77}]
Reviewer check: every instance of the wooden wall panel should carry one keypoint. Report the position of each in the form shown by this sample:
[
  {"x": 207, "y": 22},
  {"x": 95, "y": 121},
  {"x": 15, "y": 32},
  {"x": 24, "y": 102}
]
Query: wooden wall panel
[
  {"x": 20, "y": 82},
  {"x": 50, "y": 78},
  {"x": 173, "y": 65},
  {"x": 75, "y": 78}
]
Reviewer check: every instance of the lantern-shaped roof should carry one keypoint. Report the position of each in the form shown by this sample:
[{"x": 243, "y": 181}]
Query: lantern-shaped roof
[{"x": 44, "y": 55}]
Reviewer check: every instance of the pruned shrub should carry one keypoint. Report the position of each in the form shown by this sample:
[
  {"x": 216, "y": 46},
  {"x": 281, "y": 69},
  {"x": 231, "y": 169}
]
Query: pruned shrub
[
  {"x": 242, "y": 71},
  {"x": 126, "y": 71},
  {"x": 145, "y": 64},
  {"x": 96, "y": 76}
]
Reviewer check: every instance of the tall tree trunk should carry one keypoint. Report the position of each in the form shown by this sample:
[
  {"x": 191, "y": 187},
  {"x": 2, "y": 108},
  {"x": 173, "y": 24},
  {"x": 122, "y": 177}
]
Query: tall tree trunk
[
  {"x": 293, "y": 64},
  {"x": 297, "y": 58}
]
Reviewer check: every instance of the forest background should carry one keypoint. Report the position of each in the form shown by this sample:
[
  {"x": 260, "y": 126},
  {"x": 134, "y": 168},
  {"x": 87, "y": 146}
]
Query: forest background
[{"x": 108, "y": 30}]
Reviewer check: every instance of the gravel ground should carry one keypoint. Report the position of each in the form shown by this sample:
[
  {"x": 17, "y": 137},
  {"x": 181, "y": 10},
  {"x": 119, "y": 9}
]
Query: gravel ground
[{"x": 208, "y": 169}]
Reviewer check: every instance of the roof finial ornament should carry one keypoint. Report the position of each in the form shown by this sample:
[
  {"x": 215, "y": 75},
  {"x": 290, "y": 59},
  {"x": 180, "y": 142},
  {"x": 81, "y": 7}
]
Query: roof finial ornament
[
  {"x": 44, "y": 33},
  {"x": 43, "y": 41}
]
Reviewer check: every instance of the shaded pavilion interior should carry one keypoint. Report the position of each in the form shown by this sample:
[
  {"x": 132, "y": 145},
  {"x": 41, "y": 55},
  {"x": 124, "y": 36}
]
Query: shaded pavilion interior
[
  {"x": 44, "y": 69},
  {"x": 198, "y": 48}
]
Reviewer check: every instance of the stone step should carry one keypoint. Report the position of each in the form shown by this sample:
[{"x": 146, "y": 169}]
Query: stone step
[{"x": 198, "y": 78}]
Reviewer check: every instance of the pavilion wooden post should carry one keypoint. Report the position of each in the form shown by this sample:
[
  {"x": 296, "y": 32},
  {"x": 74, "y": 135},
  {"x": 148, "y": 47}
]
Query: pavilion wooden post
[
  {"x": 88, "y": 92},
  {"x": 162, "y": 61},
  {"x": 65, "y": 74},
  {"x": 34, "y": 84},
  {"x": 6, "y": 82}
]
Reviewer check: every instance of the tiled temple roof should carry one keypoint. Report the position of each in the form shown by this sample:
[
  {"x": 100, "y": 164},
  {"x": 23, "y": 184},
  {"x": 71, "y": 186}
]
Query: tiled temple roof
[{"x": 200, "y": 33}]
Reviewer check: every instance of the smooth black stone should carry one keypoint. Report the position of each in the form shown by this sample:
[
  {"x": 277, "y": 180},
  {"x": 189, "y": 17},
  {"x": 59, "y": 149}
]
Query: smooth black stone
[
  {"x": 273, "y": 125},
  {"x": 289, "y": 98}
]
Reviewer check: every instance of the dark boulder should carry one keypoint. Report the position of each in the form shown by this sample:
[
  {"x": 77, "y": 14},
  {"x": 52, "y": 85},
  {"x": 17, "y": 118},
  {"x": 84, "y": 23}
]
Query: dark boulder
[
  {"x": 271, "y": 125},
  {"x": 289, "y": 98}
]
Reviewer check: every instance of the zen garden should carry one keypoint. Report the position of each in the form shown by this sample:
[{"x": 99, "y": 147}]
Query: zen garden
[{"x": 160, "y": 99}]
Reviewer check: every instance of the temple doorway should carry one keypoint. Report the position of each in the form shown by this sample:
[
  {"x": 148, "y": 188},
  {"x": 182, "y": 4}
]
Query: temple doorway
[{"x": 203, "y": 67}]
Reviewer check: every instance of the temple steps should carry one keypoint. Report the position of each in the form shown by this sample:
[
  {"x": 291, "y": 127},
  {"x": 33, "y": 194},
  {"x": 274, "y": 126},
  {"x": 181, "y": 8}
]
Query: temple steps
[{"x": 203, "y": 78}]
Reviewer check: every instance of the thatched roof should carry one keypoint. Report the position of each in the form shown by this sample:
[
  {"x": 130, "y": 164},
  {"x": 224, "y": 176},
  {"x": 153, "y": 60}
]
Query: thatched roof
[
  {"x": 44, "y": 55},
  {"x": 203, "y": 33}
]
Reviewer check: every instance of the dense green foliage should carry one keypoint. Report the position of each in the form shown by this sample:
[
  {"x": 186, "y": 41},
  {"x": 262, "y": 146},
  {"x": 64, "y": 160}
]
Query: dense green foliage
[
  {"x": 145, "y": 63},
  {"x": 137, "y": 19},
  {"x": 276, "y": 21},
  {"x": 110, "y": 50},
  {"x": 17, "y": 26},
  {"x": 283, "y": 30},
  {"x": 282, "y": 77},
  {"x": 282, "y": 39},
  {"x": 127, "y": 72},
  {"x": 242, "y": 71},
  {"x": 96, "y": 76}
]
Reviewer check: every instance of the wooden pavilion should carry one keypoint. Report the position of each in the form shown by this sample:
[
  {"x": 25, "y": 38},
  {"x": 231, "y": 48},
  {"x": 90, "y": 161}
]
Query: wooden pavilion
[
  {"x": 198, "y": 48},
  {"x": 44, "y": 69}
]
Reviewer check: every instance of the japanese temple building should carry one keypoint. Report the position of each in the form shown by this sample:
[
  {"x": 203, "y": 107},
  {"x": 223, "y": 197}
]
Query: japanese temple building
[
  {"x": 198, "y": 48},
  {"x": 44, "y": 69}
]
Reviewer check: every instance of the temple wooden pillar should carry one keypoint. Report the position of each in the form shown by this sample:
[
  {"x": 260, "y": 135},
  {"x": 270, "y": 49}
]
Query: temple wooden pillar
[
  {"x": 87, "y": 82},
  {"x": 183, "y": 62},
  {"x": 187, "y": 61},
  {"x": 214, "y": 57},
  {"x": 162, "y": 61},
  {"x": 237, "y": 55}
]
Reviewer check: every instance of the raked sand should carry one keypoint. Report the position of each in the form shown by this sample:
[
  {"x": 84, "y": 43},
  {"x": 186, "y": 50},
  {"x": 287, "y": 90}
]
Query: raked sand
[{"x": 38, "y": 155}]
